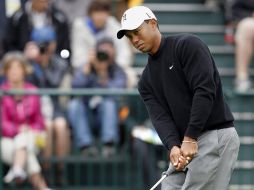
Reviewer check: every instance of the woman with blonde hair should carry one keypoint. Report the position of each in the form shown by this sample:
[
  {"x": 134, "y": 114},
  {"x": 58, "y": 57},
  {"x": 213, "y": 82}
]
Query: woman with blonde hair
[{"x": 22, "y": 125}]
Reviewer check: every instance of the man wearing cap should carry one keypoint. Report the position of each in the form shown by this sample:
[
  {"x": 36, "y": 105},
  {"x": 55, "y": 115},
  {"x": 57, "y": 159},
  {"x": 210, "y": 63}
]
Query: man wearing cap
[{"x": 182, "y": 91}]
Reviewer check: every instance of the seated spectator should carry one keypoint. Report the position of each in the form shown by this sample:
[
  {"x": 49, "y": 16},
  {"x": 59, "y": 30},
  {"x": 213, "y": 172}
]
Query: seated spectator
[
  {"x": 87, "y": 30},
  {"x": 37, "y": 15},
  {"x": 22, "y": 126},
  {"x": 7, "y": 8},
  {"x": 72, "y": 9},
  {"x": 100, "y": 72},
  {"x": 49, "y": 72},
  {"x": 240, "y": 16},
  {"x": 244, "y": 42}
]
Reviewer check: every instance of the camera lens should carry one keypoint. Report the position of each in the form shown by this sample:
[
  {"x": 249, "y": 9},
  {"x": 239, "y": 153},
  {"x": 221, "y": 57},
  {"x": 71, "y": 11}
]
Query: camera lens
[
  {"x": 102, "y": 56},
  {"x": 43, "y": 47}
]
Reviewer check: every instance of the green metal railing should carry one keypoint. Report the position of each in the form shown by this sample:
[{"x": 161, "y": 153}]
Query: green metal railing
[
  {"x": 138, "y": 164},
  {"x": 74, "y": 92},
  {"x": 117, "y": 172}
]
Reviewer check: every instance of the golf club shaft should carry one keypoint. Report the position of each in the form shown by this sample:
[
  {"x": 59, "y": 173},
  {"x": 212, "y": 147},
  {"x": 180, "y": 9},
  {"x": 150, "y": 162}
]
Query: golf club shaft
[
  {"x": 161, "y": 179},
  {"x": 170, "y": 170}
]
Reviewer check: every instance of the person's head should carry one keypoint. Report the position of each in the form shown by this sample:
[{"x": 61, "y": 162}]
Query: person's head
[
  {"x": 99, "y": 11},
  {"x": 105, "y": 53},
  {"x": 105, "y": 49},
  {"x": 45, "y": 38},
  {"x": 15, "y": 67},
  {"x": 40, "y": 5},
  {"x": 140, "y": 26}
]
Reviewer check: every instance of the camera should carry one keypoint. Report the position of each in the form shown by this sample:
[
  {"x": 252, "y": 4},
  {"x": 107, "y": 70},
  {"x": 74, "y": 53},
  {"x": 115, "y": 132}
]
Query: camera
[
  {"x": 102, "y": 55},
  {"x": 43, "y": 47}
]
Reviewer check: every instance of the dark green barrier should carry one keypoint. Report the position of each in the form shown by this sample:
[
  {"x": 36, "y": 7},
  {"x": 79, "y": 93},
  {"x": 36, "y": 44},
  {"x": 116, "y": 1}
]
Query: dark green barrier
[{"x": 137, "y": 164}]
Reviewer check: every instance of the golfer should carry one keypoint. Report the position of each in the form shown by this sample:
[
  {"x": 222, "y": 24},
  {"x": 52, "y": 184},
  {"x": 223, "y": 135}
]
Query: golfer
[{"x": 182, "y": 91}]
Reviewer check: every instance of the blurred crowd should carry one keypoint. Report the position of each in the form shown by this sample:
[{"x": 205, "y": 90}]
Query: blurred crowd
[
  {"x": 59, "y": 44},
  {"x": 73, "y": 44}
]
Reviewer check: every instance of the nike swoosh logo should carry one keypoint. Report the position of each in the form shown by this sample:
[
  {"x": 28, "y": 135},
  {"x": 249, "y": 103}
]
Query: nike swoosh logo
[{"x": 171, "y": 67}]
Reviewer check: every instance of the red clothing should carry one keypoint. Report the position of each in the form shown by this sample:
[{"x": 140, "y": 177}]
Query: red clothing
[{"x": 15, "y": 113}]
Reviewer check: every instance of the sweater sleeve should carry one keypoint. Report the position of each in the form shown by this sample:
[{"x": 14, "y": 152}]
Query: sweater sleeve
[
  {"x": 199, "y": 71},
  {"x": 119, "y": 80},
  {"x": 80, "y": 80},
  {"x": 161, "y": 119}
]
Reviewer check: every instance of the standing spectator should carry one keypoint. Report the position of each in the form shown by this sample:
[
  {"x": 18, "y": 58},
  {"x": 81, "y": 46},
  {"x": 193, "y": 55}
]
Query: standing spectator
[
  {"x": 87, "y": 30},
  {"x": 22, "y": 126},
  {"x": 37, "y": 16},
  {"x": 100, "y": 72}
]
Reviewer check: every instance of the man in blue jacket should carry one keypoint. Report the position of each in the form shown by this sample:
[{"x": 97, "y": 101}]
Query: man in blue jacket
[{"x": 100, "y": 72}]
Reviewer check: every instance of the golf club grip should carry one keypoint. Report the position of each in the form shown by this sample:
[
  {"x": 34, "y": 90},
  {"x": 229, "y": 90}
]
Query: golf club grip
[
  {"x": 165, "y": 174},
  {"x": 170, "y": 170}
]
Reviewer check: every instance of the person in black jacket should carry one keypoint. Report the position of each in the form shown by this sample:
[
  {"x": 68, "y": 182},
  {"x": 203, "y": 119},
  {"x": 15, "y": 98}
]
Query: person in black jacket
[
  {"x": 182, "y": 91},
  {"x": 7, "y": 9},
  {"x": 37, "y": 16}
]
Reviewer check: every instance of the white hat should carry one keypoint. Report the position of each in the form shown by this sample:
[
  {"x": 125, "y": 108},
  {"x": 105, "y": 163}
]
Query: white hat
[{"x": 133, "y": 18}]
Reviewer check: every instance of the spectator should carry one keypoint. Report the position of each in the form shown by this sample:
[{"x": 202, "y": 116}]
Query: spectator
[
  {"x": 100, "y": 72},
  {"x": 239, "y": 15},
  {"x": 99, "y": 23},
  {"x": 49, "y": 71},
  {"x": 37, "y": 16},
  {"x": 73, "y": 8},
  {"x": 22, "y": 126},
  {"x": 7, "y": 8},
  {"x": 121, "y": 5}
]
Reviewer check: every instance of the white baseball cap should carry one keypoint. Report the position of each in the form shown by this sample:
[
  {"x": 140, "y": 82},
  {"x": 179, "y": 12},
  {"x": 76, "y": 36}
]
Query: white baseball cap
[{"x": 133, "y": 18}]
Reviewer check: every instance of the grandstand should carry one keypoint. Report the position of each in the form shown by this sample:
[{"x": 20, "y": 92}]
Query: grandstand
[{"x": 124, "y": 171}]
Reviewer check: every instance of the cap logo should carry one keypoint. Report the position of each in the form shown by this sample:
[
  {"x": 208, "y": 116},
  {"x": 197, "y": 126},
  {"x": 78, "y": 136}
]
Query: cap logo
[
  {"x": 124, "y": 17},
  {"x": 148, "y": 15}
]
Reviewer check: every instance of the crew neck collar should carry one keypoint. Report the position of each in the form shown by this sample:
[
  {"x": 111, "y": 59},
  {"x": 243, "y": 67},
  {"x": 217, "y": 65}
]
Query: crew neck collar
[{"x": 158, "y": 52}]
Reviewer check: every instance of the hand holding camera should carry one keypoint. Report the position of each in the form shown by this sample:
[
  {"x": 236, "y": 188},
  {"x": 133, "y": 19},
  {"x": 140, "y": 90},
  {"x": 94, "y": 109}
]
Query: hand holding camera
[
  {"x": 91, "y": 59},
  {"x": 99, "y": 62}
]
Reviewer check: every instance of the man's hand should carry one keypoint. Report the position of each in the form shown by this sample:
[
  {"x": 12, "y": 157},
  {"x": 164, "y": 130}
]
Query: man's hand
[
  {"x": 189, "y": 148},
  {"x": 91, "y": 59},
  {"x": 176, "y": 158}
]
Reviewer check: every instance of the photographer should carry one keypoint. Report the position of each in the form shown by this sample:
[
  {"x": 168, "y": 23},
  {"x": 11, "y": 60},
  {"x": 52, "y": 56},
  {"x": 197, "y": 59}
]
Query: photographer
[
  {"x": 49, "y": 71},
  {"x": 100, "y": 72}
]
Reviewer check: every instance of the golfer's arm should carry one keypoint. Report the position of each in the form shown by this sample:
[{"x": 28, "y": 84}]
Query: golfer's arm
[
  {"x": 161, "y": 120},
  {"x": 199, "y": 72}
]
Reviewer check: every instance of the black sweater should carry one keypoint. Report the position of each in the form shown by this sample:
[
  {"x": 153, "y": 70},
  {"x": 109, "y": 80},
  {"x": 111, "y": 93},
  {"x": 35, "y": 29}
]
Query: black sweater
[{"x": 182, "y": 91}]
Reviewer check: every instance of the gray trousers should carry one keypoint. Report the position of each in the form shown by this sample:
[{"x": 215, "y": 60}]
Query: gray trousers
[{"x": 212, "y": 167}]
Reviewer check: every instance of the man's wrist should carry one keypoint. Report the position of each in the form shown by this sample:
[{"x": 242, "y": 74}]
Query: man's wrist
[
  {"x": 175, "y": 147},
  {"x": 189, "y": 139}
]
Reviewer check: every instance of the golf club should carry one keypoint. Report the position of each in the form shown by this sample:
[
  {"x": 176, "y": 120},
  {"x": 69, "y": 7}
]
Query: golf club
[{"x": 165, "y": 174}]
